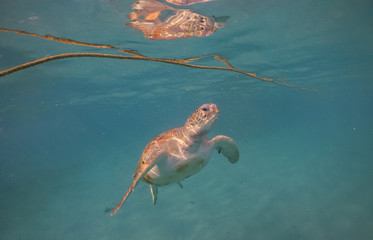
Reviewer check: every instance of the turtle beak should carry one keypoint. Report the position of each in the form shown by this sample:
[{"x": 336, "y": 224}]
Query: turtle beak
[
  {"x": 215, "y": 111},
  {"x": 215, "y": 108}
]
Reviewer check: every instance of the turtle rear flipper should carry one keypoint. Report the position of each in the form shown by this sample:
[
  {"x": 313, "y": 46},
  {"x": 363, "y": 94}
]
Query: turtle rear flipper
[{"x": 154, "y": 192}]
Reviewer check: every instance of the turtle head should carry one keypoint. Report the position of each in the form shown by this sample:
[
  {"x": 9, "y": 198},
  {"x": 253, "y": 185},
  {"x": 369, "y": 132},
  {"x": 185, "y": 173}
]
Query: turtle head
[{"x": 203, "y": 119}]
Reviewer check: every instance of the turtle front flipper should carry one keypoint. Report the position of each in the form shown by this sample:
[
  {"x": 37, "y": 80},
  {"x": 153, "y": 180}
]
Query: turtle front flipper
[
  {"x": 142, "y": 169},
  {"x": 227, "y": 146}
]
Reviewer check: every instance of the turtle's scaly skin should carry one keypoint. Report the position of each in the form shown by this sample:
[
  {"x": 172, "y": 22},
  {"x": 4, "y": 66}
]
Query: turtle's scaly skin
[{"x": 181, "y": 152}]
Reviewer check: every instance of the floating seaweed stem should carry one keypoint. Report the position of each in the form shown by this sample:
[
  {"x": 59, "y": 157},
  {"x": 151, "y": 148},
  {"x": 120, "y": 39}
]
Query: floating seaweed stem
[
  {"x": 56, "y": 39},
  {"x": 188, "y": 62}
]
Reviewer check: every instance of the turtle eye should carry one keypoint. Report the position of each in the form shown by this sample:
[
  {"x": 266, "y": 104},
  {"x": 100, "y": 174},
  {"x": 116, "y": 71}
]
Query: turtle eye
[{"x": 204, "y": 109}]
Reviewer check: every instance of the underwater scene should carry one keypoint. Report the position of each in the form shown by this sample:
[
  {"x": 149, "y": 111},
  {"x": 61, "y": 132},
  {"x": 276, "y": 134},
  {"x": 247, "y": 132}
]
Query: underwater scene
[{"x": 277, "y": 95}]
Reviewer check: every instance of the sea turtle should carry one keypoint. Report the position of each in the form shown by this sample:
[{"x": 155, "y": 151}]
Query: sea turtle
[{"x": 181, "y": 152}]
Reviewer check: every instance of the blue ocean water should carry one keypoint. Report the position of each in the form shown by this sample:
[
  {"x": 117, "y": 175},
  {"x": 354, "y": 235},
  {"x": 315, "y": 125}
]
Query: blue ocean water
[{"x": 73, "y": 130}]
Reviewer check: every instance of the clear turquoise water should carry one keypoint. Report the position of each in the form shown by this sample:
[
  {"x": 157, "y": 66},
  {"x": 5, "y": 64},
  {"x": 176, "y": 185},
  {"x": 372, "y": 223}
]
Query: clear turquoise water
[{"x": 72, "y": 131}]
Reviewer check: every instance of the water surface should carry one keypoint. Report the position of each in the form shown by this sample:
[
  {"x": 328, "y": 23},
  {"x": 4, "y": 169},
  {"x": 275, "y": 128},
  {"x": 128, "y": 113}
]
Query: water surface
[{"x": 72, "y": 130}]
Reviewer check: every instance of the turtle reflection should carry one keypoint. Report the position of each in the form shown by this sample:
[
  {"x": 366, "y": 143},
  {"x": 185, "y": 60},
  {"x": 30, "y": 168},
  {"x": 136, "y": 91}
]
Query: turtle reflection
[{"x": 160, "y": 21}]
